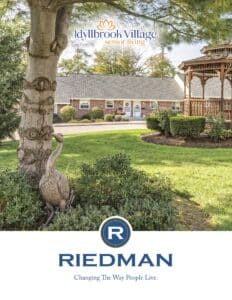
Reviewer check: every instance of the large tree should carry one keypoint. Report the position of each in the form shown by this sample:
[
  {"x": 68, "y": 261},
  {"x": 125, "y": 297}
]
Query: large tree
[
  {"x": 117, "y": 62},
  {"x": 159, "y": 66},
  {"x": 77, "y": 64},
  {"x": 47, "y": 40}
]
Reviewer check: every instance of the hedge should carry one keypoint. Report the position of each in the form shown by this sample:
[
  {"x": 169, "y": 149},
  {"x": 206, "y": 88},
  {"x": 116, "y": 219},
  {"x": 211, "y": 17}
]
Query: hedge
[
  {"x": 187, "y": 126},
  {"x": 153, "y": 122}
]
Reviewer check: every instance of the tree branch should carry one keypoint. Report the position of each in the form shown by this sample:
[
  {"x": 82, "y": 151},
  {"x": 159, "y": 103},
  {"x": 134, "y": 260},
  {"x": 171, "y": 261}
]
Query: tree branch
[{"x": 114, "y": 3}]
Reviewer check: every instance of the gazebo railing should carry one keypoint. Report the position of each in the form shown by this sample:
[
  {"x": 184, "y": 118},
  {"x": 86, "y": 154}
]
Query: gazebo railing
[{"x": 201, "y": 107}]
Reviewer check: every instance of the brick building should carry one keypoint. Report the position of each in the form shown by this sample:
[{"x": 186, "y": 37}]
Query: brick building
[{"x": 133, "y": 96}]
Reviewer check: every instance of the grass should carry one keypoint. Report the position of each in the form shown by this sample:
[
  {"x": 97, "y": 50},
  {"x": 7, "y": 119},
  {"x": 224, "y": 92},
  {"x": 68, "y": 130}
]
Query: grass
[{"x": 202, "y": 178}]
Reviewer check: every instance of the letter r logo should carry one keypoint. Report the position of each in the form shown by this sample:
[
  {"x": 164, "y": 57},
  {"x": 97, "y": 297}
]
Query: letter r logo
[{"x": 115, "y": 231}]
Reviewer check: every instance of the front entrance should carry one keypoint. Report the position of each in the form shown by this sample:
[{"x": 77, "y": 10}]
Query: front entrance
[
  {"x": 137, "y": 109},
  {"x": 127, "y": 108}
]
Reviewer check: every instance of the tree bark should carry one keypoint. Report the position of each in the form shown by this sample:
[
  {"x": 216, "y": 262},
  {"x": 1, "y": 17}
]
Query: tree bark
[{"x": 48, "y": 38}]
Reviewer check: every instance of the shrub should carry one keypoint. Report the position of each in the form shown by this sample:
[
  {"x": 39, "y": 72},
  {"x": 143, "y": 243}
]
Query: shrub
[
  {"x": 112, "y": 187},
  {"x": 160, "y": 120},
  {"x": 118, "y": 118},
  {"x": 226, "y": 134},
  {"x": 56, "y": 119},
  {"x": 216, "y": 126},
  {"x": 228, "y": 125},
  {"x": 73, "y": 121},
  {"x": 86, "y": 116},
  {"x": 163, "y": 117},
  {"x": 67, "y": 113},
  {"x": 20, "y": 207},
  {"x": 187, "y": 126},
  {"x": 79, "y": 218},
  {"x": 99, "y": 120},
  {"x": 109, "y": 118},
  {"x": 153, "y": 122},
  {"x": 97, "y": 113},
  {"x": 125, "y": 118},
  {"x": 85, "y": 121}
]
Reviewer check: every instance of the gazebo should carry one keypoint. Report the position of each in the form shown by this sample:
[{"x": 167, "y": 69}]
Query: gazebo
[{"x": 216, "y": 62}]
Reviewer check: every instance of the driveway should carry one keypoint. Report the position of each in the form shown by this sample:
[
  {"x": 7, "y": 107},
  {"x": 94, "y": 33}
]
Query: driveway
[{"x": 95, "y": 127}]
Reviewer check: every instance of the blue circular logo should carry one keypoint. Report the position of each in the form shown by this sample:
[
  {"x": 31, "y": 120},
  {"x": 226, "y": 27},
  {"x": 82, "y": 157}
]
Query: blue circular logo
[{"x": 115, "y": 231}]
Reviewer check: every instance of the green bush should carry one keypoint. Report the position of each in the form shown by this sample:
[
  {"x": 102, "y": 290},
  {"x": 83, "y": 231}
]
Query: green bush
[
  {"x": 67, "y": 113},
  {"x": 153, "y": 122},
  {"x": 109, "y": 118},
  {"x": 85, "y": 121},
  {"x": 88, "y": 218},
  {"x": 97, "y": 113},
  {"x": 160, "y": 120},
  {"x": 56, "y": 119},
  {"x": 216, "y": 126},
  {"x": 112, "y": 187},
  {"x": 226, "y": 134},
  {"x": 99, "y": 120},
  {"x": 125, "y": 118},
  {"x": 73, "y": 121},
  {"x": 163, "y": 117},
  {"x": 86, "y": 116},
  {"x": 20, "y": 207},
  {"x": 118, "y": 118},
  {"x": 187, "y": 126}
]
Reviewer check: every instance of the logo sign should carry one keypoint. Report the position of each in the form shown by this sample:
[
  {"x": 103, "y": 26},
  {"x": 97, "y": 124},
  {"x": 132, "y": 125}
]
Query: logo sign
[
  {"x": 107, "y": 31},
  {"x": 115, "y": 231}
]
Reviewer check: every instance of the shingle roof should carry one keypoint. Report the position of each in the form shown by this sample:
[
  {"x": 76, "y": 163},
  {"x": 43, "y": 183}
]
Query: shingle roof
[{"x": 116, "y": 87}]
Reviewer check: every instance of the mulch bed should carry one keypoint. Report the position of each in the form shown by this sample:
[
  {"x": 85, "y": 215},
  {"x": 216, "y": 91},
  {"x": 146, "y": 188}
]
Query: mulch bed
[{"x": 201, "y": 142}]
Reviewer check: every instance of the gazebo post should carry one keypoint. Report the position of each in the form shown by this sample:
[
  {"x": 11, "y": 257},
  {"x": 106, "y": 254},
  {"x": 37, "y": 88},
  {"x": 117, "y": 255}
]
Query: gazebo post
[
  {"x": 189, "y": 82},
  {"x": 222, "y": 78},
  {"x": 203, "y": 82},
  {"x": 184, "y": 86}
]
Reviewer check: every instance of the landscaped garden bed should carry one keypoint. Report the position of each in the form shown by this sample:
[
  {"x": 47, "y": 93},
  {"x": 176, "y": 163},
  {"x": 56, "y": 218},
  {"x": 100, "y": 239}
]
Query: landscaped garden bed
[
  {"x": 203, "y": 141},
  {"x": 188, "y": 131}
]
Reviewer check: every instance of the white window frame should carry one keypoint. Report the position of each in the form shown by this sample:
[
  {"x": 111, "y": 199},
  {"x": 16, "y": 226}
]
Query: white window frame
[
  {"x": 107, "y": 106},
  {"x": 157, "y": 104},
  {"x": 176, "y": 107},
  {"x": 84, "y": 101}
]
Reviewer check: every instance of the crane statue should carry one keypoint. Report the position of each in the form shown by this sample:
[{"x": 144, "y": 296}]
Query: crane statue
[{"x": 54, "y": 186}]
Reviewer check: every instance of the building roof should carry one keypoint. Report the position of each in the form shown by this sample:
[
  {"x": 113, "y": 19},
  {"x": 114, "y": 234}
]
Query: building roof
[{"x": 79, "y": 86}]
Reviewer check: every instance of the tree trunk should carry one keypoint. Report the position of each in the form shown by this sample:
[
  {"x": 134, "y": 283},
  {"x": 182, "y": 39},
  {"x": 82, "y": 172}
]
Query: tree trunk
[{"x": 48, "y": 38}]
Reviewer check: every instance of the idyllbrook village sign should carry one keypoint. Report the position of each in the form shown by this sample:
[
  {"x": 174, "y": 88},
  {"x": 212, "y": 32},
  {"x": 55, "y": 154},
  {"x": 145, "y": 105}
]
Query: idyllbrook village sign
[{"x": 107, "y": 30}]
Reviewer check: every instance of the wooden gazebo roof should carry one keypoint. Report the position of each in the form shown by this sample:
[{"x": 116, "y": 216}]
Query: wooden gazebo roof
[{"x": 217, "y": 61}]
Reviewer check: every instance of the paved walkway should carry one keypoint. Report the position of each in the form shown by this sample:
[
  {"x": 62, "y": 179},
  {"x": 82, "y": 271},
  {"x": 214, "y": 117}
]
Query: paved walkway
[
  {"x": 89, "y": 127},
  {"x": 65, "y": 128}
]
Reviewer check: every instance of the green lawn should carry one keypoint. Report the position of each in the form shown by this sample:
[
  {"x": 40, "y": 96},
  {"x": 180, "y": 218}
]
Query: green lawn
[{"x": 202, "y": 178}]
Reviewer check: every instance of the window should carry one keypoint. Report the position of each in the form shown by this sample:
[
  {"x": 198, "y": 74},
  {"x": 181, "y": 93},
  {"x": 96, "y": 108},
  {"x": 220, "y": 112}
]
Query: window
[
  {"x": 154, "y": 104},
  {"x": 176, "y": 106},
  {"x": 109, "y": 104},
  {"x": 84, "y": 104}
]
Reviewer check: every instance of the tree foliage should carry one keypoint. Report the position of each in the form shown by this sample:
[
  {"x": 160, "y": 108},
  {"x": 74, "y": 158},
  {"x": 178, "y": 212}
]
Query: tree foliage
[
  {"x": 116, "y": 61},
  {"x": 77, "y": 64},
  {"x": 159, "y": 66},
  {"x": 12, "y": 66}
]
